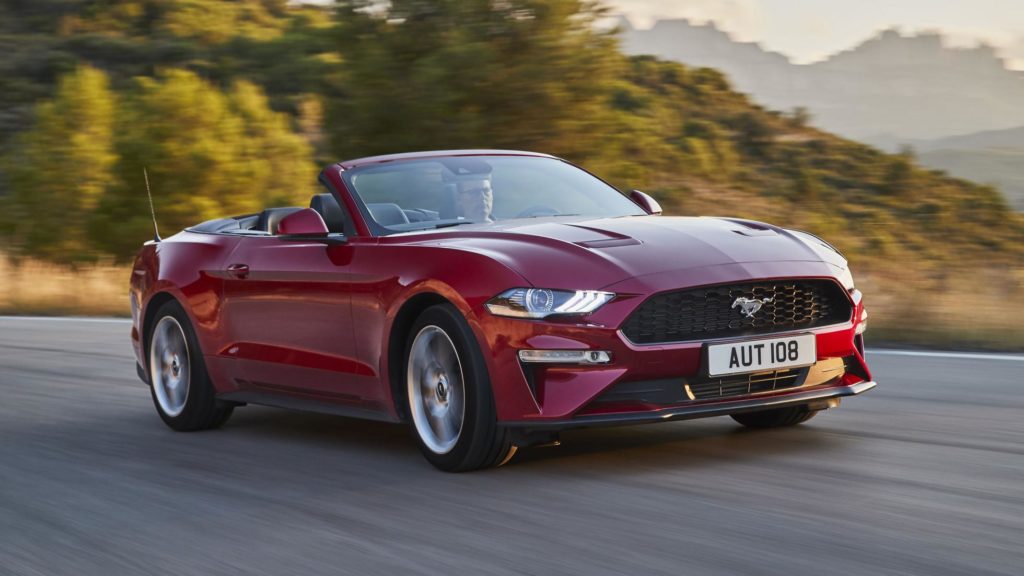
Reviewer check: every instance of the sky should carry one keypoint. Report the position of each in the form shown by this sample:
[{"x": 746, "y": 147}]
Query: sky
[{"x": 811, "y": 30}]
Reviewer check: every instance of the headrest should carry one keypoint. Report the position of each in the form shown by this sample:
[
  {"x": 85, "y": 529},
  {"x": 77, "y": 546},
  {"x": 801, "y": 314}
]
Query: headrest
[
  {"x": 329, "y": 210},
  {"x": 271, "y": 217},
  {"x": 387, "y": 214}
]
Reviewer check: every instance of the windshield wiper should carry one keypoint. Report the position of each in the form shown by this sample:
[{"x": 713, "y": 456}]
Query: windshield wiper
[
  {"x": 459, "y": 223},
  {"x": 465, "y": 222}
]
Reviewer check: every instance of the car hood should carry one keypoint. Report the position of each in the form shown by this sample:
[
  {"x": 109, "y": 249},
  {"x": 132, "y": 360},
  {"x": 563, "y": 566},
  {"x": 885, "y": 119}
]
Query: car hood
[{"x": 563, "y": 253}]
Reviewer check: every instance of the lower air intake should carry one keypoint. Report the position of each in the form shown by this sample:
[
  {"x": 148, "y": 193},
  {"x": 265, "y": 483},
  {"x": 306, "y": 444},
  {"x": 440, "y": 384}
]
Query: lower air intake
[{"x": 744, "y": 384}]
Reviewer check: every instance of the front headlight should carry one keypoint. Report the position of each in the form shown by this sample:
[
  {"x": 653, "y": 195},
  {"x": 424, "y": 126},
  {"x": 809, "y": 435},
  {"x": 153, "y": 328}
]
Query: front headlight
[{"x": 541, "y": 302}]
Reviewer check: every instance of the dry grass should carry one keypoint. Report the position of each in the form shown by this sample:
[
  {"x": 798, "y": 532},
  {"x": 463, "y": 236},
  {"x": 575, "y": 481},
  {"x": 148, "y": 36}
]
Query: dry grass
[
  {"x": 968, "y": 308},
  {"x": 965, "y": 308},
  {"x": 34, "y": 287}
]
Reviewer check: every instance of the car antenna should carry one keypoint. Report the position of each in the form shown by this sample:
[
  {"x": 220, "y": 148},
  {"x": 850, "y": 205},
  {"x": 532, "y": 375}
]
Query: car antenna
[{"x": 152, "y": 211}]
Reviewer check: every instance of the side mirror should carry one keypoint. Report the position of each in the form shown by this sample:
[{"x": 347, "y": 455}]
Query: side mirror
[
  {"x": 645, "y": 201},
  {"x": 307, "y": 225}
]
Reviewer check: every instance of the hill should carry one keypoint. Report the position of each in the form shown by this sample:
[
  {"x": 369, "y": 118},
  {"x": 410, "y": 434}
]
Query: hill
[
  {"x": 986, "y": 139},
  {"x": 1002, "y": 168},
  {"x": 904, "y": 86},
  {"x": 993, "y": 157}
]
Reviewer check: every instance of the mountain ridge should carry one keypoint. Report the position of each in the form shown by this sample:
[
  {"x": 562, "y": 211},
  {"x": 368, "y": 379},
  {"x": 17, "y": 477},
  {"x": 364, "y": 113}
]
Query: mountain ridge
[
  {"x": 994, "y": 157},
  {"x": 982, "y": 140},
  {"x": 908, "y": 86}
]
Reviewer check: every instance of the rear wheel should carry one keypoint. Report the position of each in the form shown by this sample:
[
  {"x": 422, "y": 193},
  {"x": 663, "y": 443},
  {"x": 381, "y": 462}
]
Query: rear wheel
[
  {"x": 777, "y": 418},
  {"x": 448, "y": 390},
  {"x": 182, "y": 392}
]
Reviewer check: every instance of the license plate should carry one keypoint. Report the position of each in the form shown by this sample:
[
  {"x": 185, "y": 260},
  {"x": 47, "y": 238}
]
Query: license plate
[{"x": 760, "y": 355}]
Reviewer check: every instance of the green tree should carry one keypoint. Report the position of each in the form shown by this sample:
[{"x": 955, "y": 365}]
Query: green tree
[
  {"x": 201, "y": 21},
  {"x": 754, "y": 133},
  {"x": 281, "y": 46},
  {"x": 279, "y": 160},
  {"x": 215, "y": 22},
  {"x": 806, "y": 187},
  {"x": 208, "y": 155},
  {"x": 58, "y": 170},
  {"x": 456, "y": 73},
  {"x": 899, "y": 179}
]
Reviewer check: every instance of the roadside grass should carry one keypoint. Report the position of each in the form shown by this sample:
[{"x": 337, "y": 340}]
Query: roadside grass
[
  {"x": 976, "y": 308},
  {"x": 967, "y": 308},
  {"x": 32, "y": 287}
]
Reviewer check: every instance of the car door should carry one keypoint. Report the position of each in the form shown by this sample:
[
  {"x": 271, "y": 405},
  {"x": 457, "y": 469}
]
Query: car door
[{"x": 287, "y": 318}]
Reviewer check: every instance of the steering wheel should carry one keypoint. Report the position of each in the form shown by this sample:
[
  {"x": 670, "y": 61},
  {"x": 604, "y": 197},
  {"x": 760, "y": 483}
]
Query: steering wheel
[{"x": 538, "y": 210}]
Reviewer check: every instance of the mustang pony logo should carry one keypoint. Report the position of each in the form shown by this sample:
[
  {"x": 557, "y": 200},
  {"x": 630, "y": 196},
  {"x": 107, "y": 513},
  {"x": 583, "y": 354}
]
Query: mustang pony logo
[{"x": 750, "y": 306}]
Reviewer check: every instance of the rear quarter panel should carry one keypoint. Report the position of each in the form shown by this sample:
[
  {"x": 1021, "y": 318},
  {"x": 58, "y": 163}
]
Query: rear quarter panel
[{"x": 188, "y": 267}]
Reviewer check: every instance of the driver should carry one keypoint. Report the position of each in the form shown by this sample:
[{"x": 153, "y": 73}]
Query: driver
[{"x": 476, "y": 199}]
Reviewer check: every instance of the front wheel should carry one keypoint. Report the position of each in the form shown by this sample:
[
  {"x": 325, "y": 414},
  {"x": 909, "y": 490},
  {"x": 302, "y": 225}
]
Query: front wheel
[
  {"x": 776, "y": 418},
  {"x": 450, "y": 404},
  {"x": 181, "y": 389}
]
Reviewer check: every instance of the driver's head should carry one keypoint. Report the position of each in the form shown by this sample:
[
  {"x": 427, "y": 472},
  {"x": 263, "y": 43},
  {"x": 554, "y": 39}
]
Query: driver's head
[{"x": 476, "y": 199}]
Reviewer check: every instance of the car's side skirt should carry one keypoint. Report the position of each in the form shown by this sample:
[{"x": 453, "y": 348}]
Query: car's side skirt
[{"x": 292, "y": 402}]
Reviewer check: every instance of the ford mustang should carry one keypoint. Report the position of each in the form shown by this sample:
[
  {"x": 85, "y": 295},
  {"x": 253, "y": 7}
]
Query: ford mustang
[{"x": 491, "y": 299}]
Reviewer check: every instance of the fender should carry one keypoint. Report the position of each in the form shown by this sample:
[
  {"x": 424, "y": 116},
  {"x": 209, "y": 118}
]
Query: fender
[{"x": 467, "y": 280}]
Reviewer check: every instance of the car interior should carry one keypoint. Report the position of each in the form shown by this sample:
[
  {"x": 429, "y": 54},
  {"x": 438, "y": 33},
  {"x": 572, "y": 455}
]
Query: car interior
[
  {"x": 267, "y": 221},
  {"x": 335, "y": 217}
]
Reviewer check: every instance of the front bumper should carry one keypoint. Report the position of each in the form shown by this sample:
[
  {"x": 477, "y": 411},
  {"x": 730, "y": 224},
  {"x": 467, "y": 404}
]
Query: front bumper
[
  {"x": 705, "y": 410},
  {"x": 566, "y": 396}
]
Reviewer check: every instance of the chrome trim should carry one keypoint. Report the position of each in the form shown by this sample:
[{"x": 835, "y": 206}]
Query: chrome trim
[
  {"x": 750, "y": 306},
  {"x": 582, "y": 357},
  {"x": 846, "y": 325}
]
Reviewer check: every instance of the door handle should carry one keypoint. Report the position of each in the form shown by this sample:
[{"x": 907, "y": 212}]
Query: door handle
[{"x": 240, "y": 271}]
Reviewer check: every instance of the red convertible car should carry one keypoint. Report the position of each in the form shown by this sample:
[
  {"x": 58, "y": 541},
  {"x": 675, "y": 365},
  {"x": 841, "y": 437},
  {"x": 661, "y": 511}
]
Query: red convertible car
[{"x": 491, "y": 299}]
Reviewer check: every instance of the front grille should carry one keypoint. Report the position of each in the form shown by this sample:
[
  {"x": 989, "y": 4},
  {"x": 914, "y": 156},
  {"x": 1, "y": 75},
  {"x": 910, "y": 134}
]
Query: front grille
[
  {"x": 708, "y": 312},
  {"x": 741, "y": 385}
]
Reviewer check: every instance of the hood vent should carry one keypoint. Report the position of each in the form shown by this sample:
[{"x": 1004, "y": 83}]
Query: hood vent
[
  {"x": 609, "y": 242},
  {"x": 610, "y": 239},
  {"x": 750, "y": 232},
  {"x": 751, "y": 227}
]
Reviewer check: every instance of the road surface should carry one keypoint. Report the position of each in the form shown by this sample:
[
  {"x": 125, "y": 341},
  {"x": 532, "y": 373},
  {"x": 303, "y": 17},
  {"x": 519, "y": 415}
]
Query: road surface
[{"x": 923, "y": 475}]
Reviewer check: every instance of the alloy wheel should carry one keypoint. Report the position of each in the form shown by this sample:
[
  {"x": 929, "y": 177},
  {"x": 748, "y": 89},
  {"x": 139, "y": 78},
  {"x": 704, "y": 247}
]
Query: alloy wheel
[
  {"x": 436, "y": 389},
  {"x": 169, "y": 367}
]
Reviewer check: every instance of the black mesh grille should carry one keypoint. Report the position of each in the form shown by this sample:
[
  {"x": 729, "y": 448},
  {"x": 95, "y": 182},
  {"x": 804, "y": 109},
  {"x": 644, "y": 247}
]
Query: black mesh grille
[{"x": 712, "y": 312}]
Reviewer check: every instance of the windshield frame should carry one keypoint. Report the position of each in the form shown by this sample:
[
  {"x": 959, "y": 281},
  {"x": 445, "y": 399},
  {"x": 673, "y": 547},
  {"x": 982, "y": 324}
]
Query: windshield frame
[{"x": 378, "y": 230}]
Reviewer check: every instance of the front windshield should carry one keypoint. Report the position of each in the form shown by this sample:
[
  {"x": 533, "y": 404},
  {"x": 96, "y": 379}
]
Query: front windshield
[{"x": 451, "y": 191}]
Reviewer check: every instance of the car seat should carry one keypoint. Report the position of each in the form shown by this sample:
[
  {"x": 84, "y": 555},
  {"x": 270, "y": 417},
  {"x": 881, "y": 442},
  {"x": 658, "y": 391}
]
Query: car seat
[
  {"x": 329, "y": 209},
  {"x": 271, "y": 217},
  {"x": 387, "y": 213}
]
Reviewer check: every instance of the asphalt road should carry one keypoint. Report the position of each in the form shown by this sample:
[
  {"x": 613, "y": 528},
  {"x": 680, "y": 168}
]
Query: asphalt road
[{"x": 923, "y": 475}]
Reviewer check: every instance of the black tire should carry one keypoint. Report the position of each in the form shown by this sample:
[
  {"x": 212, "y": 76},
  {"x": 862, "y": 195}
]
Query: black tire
[
  {"x": 777, "y": 418},
  {"x": 201, "y": 409},
  {"x": 480, "y": 441}
]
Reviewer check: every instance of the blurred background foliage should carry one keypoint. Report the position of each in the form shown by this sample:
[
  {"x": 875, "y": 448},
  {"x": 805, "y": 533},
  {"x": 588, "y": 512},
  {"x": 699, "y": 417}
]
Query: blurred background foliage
[{"x": 232, "y": 105}]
